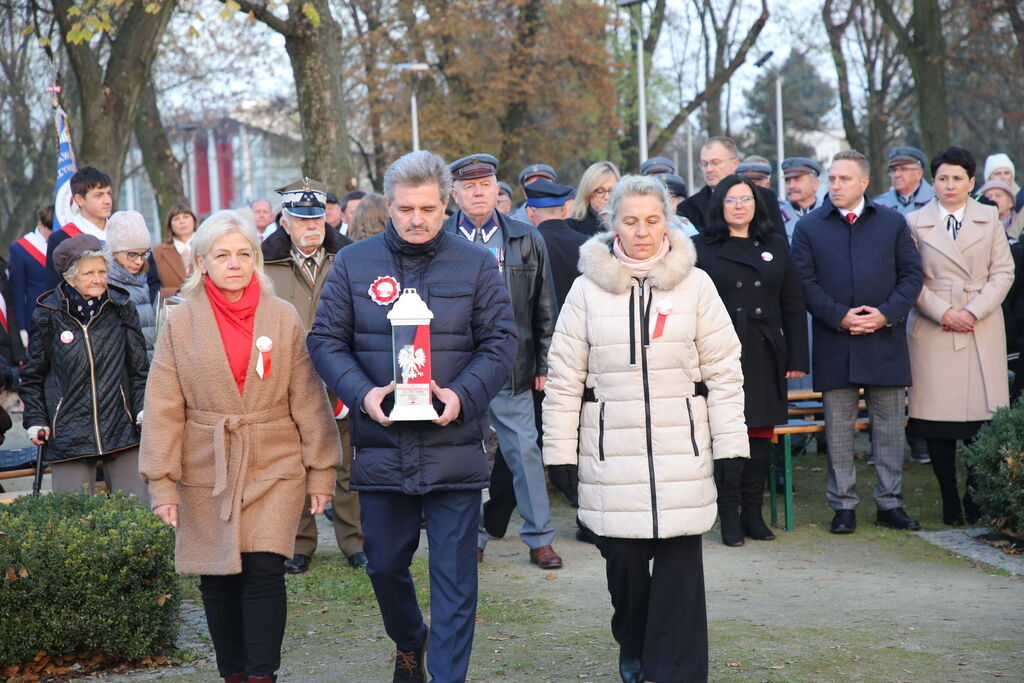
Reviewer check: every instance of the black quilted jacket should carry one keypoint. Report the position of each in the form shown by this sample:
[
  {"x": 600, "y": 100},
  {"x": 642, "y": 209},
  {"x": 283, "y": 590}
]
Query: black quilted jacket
[{"x": 90, "y": 386}]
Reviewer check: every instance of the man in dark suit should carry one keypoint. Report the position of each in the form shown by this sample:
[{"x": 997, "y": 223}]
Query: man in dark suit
[
  {"x": 718, "y": 159},
  {"x": 862, "y": 274}
]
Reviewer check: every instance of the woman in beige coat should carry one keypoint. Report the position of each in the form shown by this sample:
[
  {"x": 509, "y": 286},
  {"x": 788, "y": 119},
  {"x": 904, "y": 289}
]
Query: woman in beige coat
[
  {"x": 956, "y": 331},
  {"x": 237, "y": 430},
  {"x": 644, "y": 393}
]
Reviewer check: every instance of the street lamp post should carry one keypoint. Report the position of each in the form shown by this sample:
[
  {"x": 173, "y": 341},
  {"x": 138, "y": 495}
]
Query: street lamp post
[
  {"x": 641, "y": 88},
  {"x": 414, "y": 68},
  {"x": 779, "y": 150}
]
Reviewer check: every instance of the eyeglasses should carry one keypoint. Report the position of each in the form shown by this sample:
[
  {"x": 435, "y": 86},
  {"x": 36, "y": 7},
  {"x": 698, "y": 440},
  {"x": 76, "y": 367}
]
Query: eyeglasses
[
  {"x": 137, "y": 255},
  {"x": 601, "y": 192},
  {"x": 714, "y": 163},
  {"x": 732, "y": 201}
]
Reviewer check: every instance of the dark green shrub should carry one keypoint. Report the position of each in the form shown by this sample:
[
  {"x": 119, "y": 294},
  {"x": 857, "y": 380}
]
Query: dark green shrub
[
  {"x": 997, "y": 457},
  {"x": 80, "y": 572}
]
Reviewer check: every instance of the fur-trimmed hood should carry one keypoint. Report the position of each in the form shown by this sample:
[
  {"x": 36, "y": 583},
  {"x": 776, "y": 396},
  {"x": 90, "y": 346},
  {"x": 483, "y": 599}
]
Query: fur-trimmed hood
[{"x": 598, "y": 262}]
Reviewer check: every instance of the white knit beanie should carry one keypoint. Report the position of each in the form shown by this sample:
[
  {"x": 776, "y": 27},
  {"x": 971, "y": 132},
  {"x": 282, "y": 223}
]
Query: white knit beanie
[
  {"x": 997, "y": 161},
  {"x": 126, "y": 230}
]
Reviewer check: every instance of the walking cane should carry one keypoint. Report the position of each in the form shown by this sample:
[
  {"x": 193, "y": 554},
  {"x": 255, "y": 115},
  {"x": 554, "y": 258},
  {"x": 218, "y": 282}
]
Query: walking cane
[{"x": 37, "y": 483}]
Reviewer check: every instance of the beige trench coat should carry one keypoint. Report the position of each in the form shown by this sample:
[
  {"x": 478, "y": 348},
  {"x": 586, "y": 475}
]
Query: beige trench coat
[
  {"x": 238, "y": 466},
  {"x": 959, "y": 377}
]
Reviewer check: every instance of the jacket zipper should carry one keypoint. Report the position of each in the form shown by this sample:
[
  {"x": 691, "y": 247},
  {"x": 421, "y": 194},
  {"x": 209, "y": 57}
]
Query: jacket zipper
[
  {"x": 92, "y": 377},
  {"x": 693, "y": 430},
  {"x": 647, "y": 415},
  {"x": 600, "y": 435},
  {"x": 53, "y": 429},
  {"x": 124, "y": 399}
]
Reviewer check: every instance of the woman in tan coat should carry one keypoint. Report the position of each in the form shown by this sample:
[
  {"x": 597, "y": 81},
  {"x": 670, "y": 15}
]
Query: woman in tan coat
[
  {"x": 645, "y": 393},
  {"x": 956, "y": 333},
  {"x": 173, "y": 256},
  {"x": 237, "y": 430}
]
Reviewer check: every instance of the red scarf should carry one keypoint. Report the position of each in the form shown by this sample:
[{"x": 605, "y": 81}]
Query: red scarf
[{"x": 235, "y": 321}]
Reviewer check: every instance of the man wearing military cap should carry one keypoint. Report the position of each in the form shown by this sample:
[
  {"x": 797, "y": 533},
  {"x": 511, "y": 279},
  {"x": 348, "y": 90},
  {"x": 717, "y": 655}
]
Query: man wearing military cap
[
  {"x": 522, "y": 258},
  {"x": 297, "y": 259},
  {"x": 909, "y": 191},
  {"x": 528, "y": 175},
  {"x": 657, "y": 166},
  {"x": 504, "y": 197},
  {"x": 757, "y": 170},
  {"x": 803, "y": 178}
]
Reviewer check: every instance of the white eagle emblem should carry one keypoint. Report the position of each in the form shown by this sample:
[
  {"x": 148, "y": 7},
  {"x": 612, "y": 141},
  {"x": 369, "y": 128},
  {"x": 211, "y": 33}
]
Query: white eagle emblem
[{"x": 411, "y": 360}]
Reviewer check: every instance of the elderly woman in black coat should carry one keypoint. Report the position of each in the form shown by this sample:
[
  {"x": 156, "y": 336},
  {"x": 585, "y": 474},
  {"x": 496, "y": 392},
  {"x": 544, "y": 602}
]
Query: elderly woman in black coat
[
  {"x": 751, "y": 267},
  {"x": 85, "y": 380}
]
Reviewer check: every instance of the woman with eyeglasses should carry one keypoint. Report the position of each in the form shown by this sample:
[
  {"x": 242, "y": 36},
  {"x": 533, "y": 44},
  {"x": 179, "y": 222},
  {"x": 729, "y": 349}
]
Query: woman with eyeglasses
[
  {"x": 128, "y": 245},
  {"x": 752, "y": 270},
  {"x": 592, "y": 198},
  {"x": 85, "y": 379}
]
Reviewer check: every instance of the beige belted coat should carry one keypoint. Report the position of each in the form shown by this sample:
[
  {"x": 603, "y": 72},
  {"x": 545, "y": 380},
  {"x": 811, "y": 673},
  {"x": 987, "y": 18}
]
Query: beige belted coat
[
  {"x": 959, "y": 377},
  {"x": 237, "y": 465}
]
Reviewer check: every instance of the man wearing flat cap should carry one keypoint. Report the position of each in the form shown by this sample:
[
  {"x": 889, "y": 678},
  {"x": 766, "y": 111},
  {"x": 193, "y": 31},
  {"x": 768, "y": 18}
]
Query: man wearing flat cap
[
  {"x": 657, "y": 166},
  {"x": 528, "y": 175},
  {"x": 522, "y": 258},
  {"x": 909, "y": 190},
  {"x": 297, "y": 259},
  {"x": 803, "y": 178},
  {"x": 757, "y": 170},
  {"x": 504, "y": 197}
]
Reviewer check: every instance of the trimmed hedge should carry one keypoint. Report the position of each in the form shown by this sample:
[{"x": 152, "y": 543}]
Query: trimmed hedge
[
  {"x": 79, "y": 572},
  {"x": 997, "y": 457}
]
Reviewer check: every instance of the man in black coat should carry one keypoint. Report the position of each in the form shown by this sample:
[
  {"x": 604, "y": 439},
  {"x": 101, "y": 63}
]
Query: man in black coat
[
  {"x": 523, "y": 260},
  {"x": 406, "y": 471},
  {"x": 718, "y": 159},
  {"x": 862, "y": 274}
]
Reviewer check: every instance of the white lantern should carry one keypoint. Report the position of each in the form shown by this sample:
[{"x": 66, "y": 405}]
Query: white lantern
[{"x": 410, "y": 337}]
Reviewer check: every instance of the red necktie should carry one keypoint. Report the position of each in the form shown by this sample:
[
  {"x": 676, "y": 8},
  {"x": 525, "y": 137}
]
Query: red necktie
[{"x": 851, "y": 217}]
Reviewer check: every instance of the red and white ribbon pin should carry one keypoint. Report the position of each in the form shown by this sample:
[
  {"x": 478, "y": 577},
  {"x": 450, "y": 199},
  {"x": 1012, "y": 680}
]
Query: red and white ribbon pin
[
  {"x": 664, "y": 308},
  {"x": 264, "y": 346}
]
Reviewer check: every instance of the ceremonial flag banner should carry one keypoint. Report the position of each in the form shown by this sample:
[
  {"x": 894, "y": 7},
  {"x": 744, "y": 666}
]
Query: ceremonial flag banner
[{"x": 66, "y": 167}]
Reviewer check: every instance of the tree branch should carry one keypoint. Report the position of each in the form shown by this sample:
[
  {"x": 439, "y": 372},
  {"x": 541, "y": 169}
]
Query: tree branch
[
  {"x": 889, "y": 18},
  {"x": 261, "y": 12},
  {"x": 83, "y": 61},
  {"x": 715, "y": 85}
]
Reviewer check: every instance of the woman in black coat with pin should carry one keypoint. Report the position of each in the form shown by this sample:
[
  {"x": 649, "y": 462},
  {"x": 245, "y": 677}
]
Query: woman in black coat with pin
[{"x": 755, "y": 276}]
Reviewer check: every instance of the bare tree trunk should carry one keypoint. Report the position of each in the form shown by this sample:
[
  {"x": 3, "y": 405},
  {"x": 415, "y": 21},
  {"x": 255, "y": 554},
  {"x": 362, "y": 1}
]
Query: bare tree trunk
[
  {"x": 313, "y": 42},
  {"x": 162, "y": 167},
  {"x": 517, "y": 114},
  {"x": 922, "y": 43},
  {"x": 110, "y": 95}
]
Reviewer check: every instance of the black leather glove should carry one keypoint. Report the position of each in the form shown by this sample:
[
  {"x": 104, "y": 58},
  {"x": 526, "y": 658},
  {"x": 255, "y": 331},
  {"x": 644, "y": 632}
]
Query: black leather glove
[{"x": 566, "y": 479}]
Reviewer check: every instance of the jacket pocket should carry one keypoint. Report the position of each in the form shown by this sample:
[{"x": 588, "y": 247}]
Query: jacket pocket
[
  {"x": 278, "y": 452},
  {"x": 693, "y": 429},
  {"x": 600, "y": 433}
]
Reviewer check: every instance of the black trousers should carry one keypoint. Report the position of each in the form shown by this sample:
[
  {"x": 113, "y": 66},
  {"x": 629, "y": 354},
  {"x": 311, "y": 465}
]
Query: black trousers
[
  {"x": 660, "y": 618},
  {"x": 246, "y": 614}
]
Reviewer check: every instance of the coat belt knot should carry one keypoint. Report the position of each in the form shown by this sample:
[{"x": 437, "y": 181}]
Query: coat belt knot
[{"x": 232, "y": 448}]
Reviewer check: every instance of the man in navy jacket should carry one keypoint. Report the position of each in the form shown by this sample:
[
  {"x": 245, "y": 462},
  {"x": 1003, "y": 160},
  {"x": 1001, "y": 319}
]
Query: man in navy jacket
[
  {"x": 862, "y": 274},
  {"x": 408, "y": 470}
]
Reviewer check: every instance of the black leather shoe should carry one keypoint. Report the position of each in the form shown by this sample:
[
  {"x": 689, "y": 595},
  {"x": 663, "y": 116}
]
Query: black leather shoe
[
  {"x": 844, "y": 522},
  {"x": 409, "y": 666},
  {"x": 358, "y": 561},
  {"x": 299, "y": 564},
  {"x": 896, "y": 518},
  {"x": 631, "y": 670}
]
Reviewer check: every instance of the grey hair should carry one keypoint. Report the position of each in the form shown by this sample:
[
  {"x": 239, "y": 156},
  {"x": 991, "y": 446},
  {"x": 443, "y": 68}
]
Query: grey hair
[
  {"x": 213, "y": 228},
  {"x": 71, "y": 271},
  {"x": 415, "y": 169},
  {"x": 636, "y": 186}
]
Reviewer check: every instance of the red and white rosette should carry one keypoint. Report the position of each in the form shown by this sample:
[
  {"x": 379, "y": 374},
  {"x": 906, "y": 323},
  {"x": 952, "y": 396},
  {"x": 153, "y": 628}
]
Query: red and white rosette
[
  {"x": 664, "y": 309},
  {"x": 384, "y": 290},
  {"x": 340, "y": 410},
  {"x": 264, "y": 346}
]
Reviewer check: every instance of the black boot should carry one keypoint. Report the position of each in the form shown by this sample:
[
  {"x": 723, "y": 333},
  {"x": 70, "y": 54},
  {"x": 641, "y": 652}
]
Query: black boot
[
  {"x": 755, "y": 472},
  {"x": 728, "y": 475},
  {"x": 944, "y": 467}
]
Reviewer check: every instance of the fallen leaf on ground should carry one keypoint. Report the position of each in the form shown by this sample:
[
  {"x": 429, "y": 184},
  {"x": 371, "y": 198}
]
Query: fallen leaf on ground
[
  {"x": 734, "y": 664},
  {"x": 551, "y": 577}
]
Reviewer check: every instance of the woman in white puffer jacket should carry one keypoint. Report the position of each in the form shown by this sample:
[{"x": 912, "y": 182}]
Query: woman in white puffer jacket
[{"x": 645, "y": 391}]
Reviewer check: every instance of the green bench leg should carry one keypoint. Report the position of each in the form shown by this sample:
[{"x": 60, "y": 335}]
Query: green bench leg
[
  {"x": 771, "y": 486},
  {"x": 788, "y": 463}
]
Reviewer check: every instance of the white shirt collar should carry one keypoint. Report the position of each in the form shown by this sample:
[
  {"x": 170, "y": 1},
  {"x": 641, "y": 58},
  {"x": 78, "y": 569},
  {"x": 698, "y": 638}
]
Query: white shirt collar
[
  {"x": 856, "y": 211},
  {"x": 180, "y": 246},
  {"x": 90, "y": 228},
  {"x": 958, "y": 214}
]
